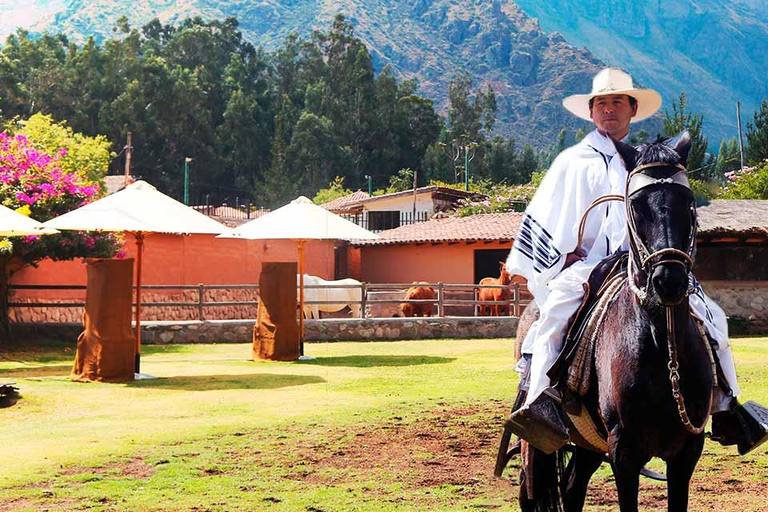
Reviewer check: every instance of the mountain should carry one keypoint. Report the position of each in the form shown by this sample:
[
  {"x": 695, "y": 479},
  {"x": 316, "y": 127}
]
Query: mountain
[{"x": 712, "y": 51}]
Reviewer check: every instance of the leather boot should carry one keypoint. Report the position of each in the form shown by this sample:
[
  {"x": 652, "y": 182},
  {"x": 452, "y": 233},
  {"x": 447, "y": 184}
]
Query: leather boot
[
  {"x": 541, "y": 423},
  {"x": 743, "y": 425}
]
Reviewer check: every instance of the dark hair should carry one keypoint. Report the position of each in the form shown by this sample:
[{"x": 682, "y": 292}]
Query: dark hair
[{"x": 632, "y": 101}]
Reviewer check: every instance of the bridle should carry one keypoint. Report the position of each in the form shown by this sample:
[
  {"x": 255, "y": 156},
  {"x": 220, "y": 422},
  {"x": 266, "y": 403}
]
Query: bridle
[
  {"x": 640, "y": 255},
  {"x": 647, "y": 261}
]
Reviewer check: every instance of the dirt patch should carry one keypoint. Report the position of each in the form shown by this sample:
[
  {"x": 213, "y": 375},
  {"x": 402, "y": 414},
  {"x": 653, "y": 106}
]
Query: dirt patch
[
  {"x": 28, "y": 504},
  {"x": 451, "y": 446},
  {"x": 134, "y": 468},
  {"x": 456, "y": 446}
]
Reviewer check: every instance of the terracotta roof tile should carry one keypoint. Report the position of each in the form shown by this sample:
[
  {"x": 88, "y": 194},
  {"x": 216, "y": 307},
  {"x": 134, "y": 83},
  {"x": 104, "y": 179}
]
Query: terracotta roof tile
[
  {"x": 483, "y": 227},
  {"x": 346, "y": 202},
  {"x": 734, "y": 217},
  {"x": 720, "y": 217}
]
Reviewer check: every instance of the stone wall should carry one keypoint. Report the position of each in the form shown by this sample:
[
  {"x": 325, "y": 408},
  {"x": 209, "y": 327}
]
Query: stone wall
[
  {"x": 745, "y": 303},
  {"x": 333, "y": 329},
  {"x": 149, "y": 313}
]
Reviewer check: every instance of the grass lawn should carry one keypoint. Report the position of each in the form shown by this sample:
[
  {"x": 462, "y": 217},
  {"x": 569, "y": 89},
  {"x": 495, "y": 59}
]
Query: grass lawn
[{"x": 366, "y": 426}]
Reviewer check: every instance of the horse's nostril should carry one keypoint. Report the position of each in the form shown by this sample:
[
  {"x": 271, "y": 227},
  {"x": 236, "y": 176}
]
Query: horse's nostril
[{"x": 670, "y": 284}]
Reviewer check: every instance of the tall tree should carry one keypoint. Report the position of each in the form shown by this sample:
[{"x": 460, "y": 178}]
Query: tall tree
[
  {"x": 679, "y": 119},
  {"x": 757, "y": 135},
  {"x": 470, "y": 111},
  {"x": 280, "y": 185},
  {"x": 312, "y": 152}
]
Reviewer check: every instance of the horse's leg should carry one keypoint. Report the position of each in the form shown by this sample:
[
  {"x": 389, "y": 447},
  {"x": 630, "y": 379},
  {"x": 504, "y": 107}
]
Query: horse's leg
[
  {"x": 581, "y": 467},
  {"x": 679, "y": 472},
  {"x": 626, "y": 463}
]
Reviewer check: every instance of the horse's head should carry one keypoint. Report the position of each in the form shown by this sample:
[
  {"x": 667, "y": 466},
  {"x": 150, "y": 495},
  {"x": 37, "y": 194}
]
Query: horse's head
[
  {"x": 661, "y": 218},
  {"x": 505, "y": 277}
]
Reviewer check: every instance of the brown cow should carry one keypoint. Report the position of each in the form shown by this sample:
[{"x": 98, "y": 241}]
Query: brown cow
[
  {"x": 418, "y": 293},
  {"x": 496, "y": 294}
]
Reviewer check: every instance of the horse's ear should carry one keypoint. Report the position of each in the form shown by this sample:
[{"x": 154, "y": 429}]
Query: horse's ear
[
  {"x": 627, "y": 153},
  {"x": 682, "y": 146}
]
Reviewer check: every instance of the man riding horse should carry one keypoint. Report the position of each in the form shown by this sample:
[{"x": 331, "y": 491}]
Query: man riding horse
[{"x": 545, "y": 253}]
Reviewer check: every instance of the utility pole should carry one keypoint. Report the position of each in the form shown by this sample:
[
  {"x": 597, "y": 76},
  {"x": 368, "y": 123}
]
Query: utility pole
[
  {"x": 128, "y": 149},
  {"x": 468, "y": 148},
  {"x": 466, "y": 170},
  {"x": 741, "y": 141},
  {"x": 186, "y": 180},
  {"x": 415, "y": 184}
]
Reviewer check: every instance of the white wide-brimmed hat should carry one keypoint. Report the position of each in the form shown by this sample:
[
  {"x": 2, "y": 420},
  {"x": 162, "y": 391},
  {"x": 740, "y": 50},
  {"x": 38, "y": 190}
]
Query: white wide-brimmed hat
[{"x": 614, "y": 81}]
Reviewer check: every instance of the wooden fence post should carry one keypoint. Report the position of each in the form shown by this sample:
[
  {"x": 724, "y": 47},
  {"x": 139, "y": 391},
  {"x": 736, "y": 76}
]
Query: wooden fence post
[
  {"x": 440, "y": 300},
  {"x": 200, "y": 301},
  {"x": 363, "y": 299},
  {"x": 517, "y": 299}
]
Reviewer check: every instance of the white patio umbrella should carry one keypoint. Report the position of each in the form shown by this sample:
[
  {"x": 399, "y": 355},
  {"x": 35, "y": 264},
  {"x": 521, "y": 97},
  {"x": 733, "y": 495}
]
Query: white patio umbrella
[
  {"x": 300, "y": 220},
  {"x": 16, "y": 224},
  {"x": 138, "y": 209}
]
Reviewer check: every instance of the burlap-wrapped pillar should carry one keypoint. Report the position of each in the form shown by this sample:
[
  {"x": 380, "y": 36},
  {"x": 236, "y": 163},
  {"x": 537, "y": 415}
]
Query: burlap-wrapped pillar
[
  {"x": 276, "y": 333},
  {"x": 105, "y": 349}
]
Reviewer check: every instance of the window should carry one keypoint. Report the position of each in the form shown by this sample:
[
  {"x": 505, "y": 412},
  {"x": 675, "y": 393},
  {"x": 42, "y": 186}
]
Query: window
[{"x": 378, "y": 221}]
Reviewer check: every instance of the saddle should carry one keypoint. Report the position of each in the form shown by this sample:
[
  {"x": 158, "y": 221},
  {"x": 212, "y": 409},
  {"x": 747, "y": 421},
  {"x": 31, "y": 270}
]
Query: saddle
[
  {"x": 573, "y": 371},
  {"x": 604, "y": 278}
]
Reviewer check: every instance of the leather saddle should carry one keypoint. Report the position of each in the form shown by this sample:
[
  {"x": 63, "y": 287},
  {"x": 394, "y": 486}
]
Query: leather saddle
[{"x": 610, "y": 268}]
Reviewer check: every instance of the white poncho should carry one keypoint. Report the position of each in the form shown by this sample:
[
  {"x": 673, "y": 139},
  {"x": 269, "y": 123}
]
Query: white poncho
[{"x": 550, "y": 226}]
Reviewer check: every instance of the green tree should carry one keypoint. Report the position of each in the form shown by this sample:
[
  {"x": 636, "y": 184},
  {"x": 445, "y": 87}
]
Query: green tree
[
  {"x": 88, "y": 157},
  {"x": 311, "y": 152},
  {"x": 401, "y": 181},
  {"x": 470, "y": 111},
  {"x": 757, "y": 136},
  {"x": 334, "y": 190},
  {"x": 280, "y": 186},
  {"x": 639, "y": 137},
  {"x": 728, "y": 160},
  {"x": 680, "y": 119}
]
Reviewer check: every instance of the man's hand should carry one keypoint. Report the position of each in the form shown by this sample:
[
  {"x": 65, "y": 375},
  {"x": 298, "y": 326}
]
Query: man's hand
[{"x": 573, "y": 257}]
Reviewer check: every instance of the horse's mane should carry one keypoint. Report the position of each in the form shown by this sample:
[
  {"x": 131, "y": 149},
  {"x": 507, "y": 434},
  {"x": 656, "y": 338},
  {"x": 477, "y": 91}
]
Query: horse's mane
[{"x": 659, "y": 150}]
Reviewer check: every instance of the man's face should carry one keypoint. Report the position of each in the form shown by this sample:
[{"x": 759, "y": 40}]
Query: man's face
[{"x": 612, "y": 114}]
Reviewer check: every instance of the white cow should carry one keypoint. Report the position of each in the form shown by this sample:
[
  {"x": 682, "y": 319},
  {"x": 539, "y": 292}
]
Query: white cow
[{"x": 351, "y": 296}]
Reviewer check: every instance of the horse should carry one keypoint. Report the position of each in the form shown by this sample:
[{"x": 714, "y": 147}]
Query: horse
[
  {"x": 408, "y": 309},
  {"x": 335, "y": 298},
  {"x": 653, "y": 370},
  {"x": 496, "y": 294}
]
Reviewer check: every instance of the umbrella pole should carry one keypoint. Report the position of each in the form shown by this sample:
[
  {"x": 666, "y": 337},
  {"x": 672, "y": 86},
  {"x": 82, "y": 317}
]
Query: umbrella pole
[
  {"x": 139, "y": 251},
  {"x": 302, "y": 247}
]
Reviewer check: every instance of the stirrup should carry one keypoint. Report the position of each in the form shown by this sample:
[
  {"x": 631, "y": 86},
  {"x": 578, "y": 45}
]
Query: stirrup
[
  {"x": 755, "y": 420},
  {"x": 744, "y": 425},
  {"x": 541, "y": 423}
]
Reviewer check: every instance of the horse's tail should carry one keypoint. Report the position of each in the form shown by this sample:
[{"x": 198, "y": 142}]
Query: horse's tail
[{"x": 541, "y": 480}]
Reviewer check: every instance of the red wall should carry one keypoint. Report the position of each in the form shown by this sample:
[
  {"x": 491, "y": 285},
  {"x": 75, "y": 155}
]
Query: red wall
[
  {"x": 447, "y": 263},
  {"x": 172, "y": 259}
]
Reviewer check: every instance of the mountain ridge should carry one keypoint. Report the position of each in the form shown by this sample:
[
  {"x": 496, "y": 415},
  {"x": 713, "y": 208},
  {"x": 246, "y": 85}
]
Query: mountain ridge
[{"x": 532, "y": 54}]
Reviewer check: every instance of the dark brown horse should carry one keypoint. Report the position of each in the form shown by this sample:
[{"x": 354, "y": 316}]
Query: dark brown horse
[{"x": 653, "y": 376}]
